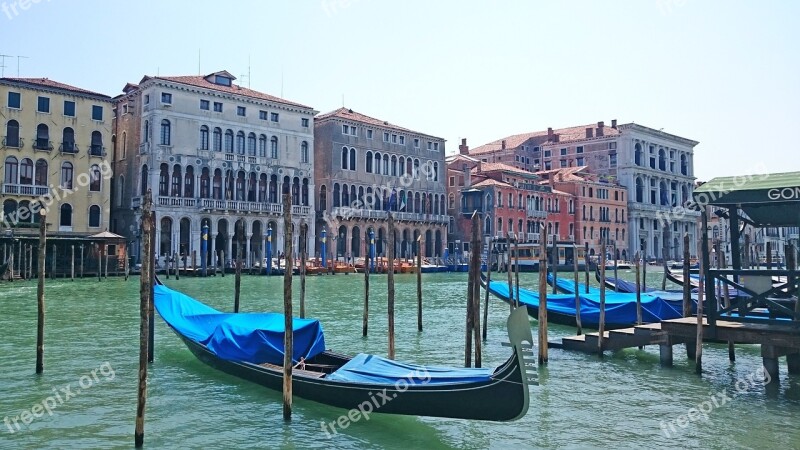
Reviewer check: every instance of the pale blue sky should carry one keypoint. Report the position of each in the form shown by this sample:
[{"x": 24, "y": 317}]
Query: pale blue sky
[{"x": 724, "y": 73}]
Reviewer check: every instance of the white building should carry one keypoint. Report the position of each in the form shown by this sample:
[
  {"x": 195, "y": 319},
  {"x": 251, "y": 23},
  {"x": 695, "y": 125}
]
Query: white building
[{"x": 214, "y": 154}]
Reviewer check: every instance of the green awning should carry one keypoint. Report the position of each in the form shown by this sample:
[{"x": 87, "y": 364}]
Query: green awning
[{"x": 768, "y": 199}]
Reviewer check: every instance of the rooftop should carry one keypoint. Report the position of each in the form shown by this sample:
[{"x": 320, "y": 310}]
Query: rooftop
[
  {"x": 349, "y": 114},
  {"x": 569, "y": 134},
  {"x": 48, "y": 83},
  {"x": 501, "y": 167}
]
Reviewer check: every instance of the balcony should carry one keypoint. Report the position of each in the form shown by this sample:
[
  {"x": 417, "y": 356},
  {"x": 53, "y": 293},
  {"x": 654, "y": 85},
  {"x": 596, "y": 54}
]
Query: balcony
[
  {"x": 299, "y": 210},
  {"x": 68, "y": 148},
  {"x": 533, "y": 237},
  {"x": 25, "y": 189},
  {"x": 136, "y": 202},
  {"x": 144, "y": 148},
  {"x": 10, "y": 142},
  {"x": 97, "y": 150},
  {"x": 240, "y": 206},
  {"x": 42, "y": 144},
  {"x": 536, "y": 214},
  {"x": 347, "y": 212}
]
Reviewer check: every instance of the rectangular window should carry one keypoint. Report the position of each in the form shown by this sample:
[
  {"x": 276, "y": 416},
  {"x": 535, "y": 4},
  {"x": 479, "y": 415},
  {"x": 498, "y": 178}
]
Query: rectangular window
[
  {"x": 394, "y": 139},
  {"x": 217, "y": 107},
  {"x": 69, "y": 108},
  {"x": 14, "y": 100},
  {"x": 241, "y": 111},
  {"x": 547, "y": 165},
  {"x": 97, "y": 112},
  {"x": 273, "y": 117},
  {"x": 385, "y": 137},
  {"x": 579, "y": 149},
  {"x": 612, "y": 145},
  {"x": 147, "y": 99},
  {"x": 563, "y": 152},
  {"x": 304, "y": 122},
  {"x": 547, "y": 153},
  {"x": 563, "y": 163},
  {"x": 416, "y": 142},
  {"x": 402, "y": 140},
  {"x": 452, "y": 181},
  {"x": 166, "y": 98},
  {"x": 345, "y": 129},
  {"x": 44, "y": 105},
  {"x": 580, "y": 161},
  {"x": 205, "y": 105},
  {"x": 430, "y": 145},
  {"x": 612, "y": 160},
  {"x": 262, "y": 115},
  {"x": 436, "y": 146},
  {"x": 369, "y": 134}
]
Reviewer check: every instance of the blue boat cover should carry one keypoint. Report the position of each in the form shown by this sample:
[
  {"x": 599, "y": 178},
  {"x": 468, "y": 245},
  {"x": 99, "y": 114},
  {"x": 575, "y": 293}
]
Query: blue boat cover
[
  {"x": 252, "y": 337},
  {"x": 620, "y": 307},
  {"x": 568, "y": 286},
  {"x": 373, "y": 369}
]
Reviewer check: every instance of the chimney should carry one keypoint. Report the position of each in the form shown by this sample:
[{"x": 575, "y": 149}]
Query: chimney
[
  {"x": 555, "y": 138},
  {"x": 467, "y": 178},
  {"x": 560, "y": 176},
  {"x": 503, "y": 144},
  {"x": 614, "y": 124},
  {"x": 463, "y": 149},
  {"x": 549, "y": 133},
  {"x": 600, "y": 126},
  {"x": 589, "y": 132}
]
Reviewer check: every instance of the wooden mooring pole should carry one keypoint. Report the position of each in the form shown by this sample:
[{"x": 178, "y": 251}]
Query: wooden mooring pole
[
  {"x": 72, "y": 263},
  {"x": 616, "y": 273},
  {"x": 543, "y": 350},
  {"x": 664, "y": 251},
  {"x": 81, "y": 260},
  {"x": 222, "y": 261},
  {"x": 516, "y": 272},
  {"x": 40, "y": 293},
  {"x": 638, "y": 289},
  {"x": 470, "y": 305},
  {"x": 176, "y": 265},
  {"x": 390, "y": 282},
  {"x": 144, "y": 317},
  {"x": 703, "y": 244},
  {"x": 288, "y": 335},
  {"x": 53, "y": 264},
  {"x": 365, "y": 320},
  {"x": 554, "y": 260},
  {"x": 509, "y": 270},
  {"x": 151, "y": 318},
  {"x": 475, "y": 262},
  {"x": 687, "y": 286},
  {"x": 237, "y": 289},
  {"x": 577, "y": 289},
  {"x": 586, "y": 266},
  {"x": 303, "y": 256},
  {"x": 486, "y": 298},
  {"x": 602, "y": 325},
  {"x": 419, "y": 284}
]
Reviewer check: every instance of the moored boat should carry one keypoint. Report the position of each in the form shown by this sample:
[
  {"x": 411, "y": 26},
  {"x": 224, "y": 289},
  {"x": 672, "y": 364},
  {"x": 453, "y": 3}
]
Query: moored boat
[{"x": 250, "y": 346}]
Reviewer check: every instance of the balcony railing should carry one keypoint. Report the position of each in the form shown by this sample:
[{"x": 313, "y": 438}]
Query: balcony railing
[
  {"x": 13, "y": 142},
  {"x": 42, "y": 144},
  {"x": 536, "y": 214},
  {"x": 97, "y": 150},
  {"x": 144, "y": 148},
  {"x": 68, "y": 147},
  {"x": 25, "y": 189},
  {"x": 242, "y": 206}
]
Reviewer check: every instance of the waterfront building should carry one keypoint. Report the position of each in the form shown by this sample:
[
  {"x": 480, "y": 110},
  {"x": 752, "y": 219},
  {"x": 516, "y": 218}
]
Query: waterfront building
[
  {"x": 54, "y": 151},
  {"x": 215, "y": 154},
  {"x": 656, "y": 168},
  {"x": 601, "y": 209},
  {"x": 367, "y": 167}
]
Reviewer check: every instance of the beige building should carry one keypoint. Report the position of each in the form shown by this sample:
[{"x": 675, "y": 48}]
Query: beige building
[{"x": 54, "y": 141}]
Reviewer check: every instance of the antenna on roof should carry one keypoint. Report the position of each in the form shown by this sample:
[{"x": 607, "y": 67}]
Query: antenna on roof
[
  {"x": 281, "y": 82},
  {"x": 3, "y": 64},
  {"x": 18, "y": 58},
  {"x": 198, "y": 62}
]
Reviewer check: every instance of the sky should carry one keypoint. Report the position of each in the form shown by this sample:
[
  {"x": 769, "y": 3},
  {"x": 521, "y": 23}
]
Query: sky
[{"x": 724, "y": 73}]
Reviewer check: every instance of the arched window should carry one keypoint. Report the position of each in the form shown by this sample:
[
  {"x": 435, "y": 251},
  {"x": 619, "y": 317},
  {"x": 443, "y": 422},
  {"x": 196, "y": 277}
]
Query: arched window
[
  {"x": 11, "y": 170},
  {"x": 26, "y": 172},
  {"x": 205, "y": 183},
  {"x": 147, "y": 131},
  {"x": 228, "y": 141},
  {"x": 163, "y": 181},
  {"x": 273, "y": 147},
  {"x": 304, "y": 158},
  {"x": 12, "y": 134},
  {"x": 124, "y": 145},
  {"x": 345, "y": 195},
  {"x": 296, "y": 191},
  {"x": 262, "y": 146},
  {"x": 240, "y": 142},
  {"x": 166, "y": 132},
  {"x": 96, "y": 182},
  {"x": 345, "y": 154},
  {"x": 323, "y": 198},
  {"x": 204, "y": 138},
  {"x": 436, "y": 174},
  {"x": 216, "y": 185},
  {"x": 416, "y": 169},
  {"x": 352, "y": 159},
  {"x": 368, "y": 162},
  {"x": 637, "y": 154},
  {"x": 639, "y": 190},
  {"x": 394, "y": 166},
  {"x": 451, "y": 201},
  {"x": 120, "y": 192},
  {"x": 42, "y": 137},
  {"x": 177, "y": 180},
  {"x": 684, "y": 165},
  {"x": 336, "y": 195},
  {"x": 304, "y": 192},
  {"x": 66, "y": 215},
  {"x": 386, "y": 164},
  {"x": 40, "y": 177},
  {"x": 376, "y": 166},
  {"x": 217, "y": 139},
  {"x": 96, "y": 148},
  {"x": 144, "y": 182},
  {"x": 94, "y": 216},
  {"x": 402, "y": 168},
  {"x": 68, "y": 141},
  {"x": 273, "y": 189},
  {"x": 262, "y": 188},
  {"x": 662, "y": 160},
  {"x": 188, "y": 183},
  {"x": 251, "y": 144},
  {"x": 67, "y": 173}
]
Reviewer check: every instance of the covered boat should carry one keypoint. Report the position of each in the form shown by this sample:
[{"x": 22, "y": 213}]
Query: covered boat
[
  {"x": 250, "y": 346},
  {"x": 620, "y": 308}
]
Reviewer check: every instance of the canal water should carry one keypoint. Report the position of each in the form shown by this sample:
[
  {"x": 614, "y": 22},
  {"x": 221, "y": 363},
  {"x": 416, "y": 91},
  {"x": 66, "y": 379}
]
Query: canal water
[{"x": 625, "y": 400}]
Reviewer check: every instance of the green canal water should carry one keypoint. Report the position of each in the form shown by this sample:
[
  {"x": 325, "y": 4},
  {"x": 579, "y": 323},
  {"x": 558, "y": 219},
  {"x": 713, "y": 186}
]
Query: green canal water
[{"x": 625, "y": 400}]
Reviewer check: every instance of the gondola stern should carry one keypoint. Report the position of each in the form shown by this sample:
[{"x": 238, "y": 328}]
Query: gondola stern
[{"x": 521, "y": 340}]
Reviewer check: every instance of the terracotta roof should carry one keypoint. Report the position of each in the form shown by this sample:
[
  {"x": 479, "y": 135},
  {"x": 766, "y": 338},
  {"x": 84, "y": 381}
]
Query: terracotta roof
[
  {"x": 235, "y": 89},
  {"x": 492, "y": 182},
  {"x": 569, "y": 134},
  {"x": 46, "y": 82},
  {"x": 497, "y": 167},
  {"x": 568, "y": 173},
  {"x": 349, "y": 114}
]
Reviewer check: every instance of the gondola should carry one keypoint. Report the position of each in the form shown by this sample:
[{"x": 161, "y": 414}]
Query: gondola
[
  {"x": 250, "y": 346},
  {"x": 620, "y": 308},
  {"x": 677, "y": 278}
]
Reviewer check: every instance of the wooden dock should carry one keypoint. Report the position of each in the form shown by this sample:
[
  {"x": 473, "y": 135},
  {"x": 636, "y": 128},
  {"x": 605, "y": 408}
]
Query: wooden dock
[{"x": 775, "y": 340}]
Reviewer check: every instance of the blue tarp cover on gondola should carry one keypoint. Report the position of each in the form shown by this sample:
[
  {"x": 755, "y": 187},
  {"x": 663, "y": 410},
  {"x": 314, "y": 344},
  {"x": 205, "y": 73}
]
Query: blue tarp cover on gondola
[
  {"x": 620, "y": 308},
  {"x": 373, "y": 369},
  {"x": 252, "y": 337}
]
